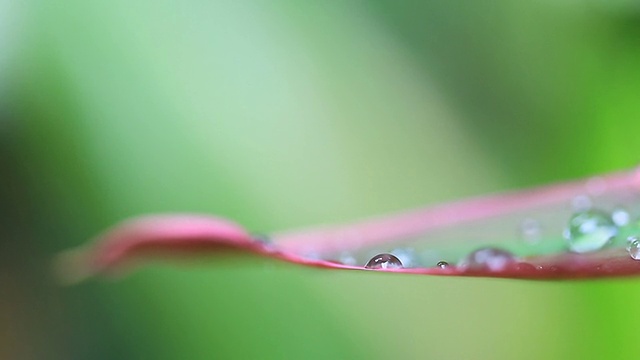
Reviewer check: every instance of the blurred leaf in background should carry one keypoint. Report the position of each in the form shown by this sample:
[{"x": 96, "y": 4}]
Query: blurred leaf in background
[{"x": 282, "y": 114}]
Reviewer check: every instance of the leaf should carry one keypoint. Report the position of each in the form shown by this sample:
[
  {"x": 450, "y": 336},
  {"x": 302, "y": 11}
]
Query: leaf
[{"x": 421, "y": 237}]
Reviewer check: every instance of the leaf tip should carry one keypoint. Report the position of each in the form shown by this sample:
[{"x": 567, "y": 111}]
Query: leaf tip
[{"x": 72, "y": 267}]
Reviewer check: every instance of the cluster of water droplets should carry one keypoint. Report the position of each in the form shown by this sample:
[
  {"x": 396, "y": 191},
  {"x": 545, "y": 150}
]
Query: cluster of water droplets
[
  {"x": 485, "y": 259},
  {"x": 588, "y": 230}
]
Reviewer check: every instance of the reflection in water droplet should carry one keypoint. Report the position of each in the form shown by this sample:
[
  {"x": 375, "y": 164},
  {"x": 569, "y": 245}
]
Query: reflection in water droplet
[
  {"x": 384, "y": 261},
  {"x": 491, "y": 259},
  {"x": 581, "y": 203},
  {"x": 443, "y": 265},
  {"x": 634, "y": 247},
  {"x": 530, "y": 230},
  {"x": 620, "y": 217},
  {"x": 590, "y": 231}
]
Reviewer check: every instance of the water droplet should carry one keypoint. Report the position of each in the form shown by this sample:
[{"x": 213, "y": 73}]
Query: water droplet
[
  {"x": 384, "y": 261},
  {"x": 443, "y": 265},
  {"x": 620, "y": 217},
  {"x": 590, "y": 231},
  {"x": 530, "y": 230},
  {"x": 492, "y": 259},
  {"x": 581, "y": 203},
  {"x": 634, "y": 247}
]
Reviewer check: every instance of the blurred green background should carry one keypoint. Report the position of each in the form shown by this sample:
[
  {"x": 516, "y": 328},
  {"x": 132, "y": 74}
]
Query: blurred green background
[{"x": 282, "y": 114}]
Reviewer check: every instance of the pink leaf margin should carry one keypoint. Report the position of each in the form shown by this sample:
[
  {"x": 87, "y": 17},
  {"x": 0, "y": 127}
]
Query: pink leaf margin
[
  {"x": 160, "y": 235},
  {"x": 172, "y": 234}
]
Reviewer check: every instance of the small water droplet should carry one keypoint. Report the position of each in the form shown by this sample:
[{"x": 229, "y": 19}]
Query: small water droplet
[
  {"x": 530, "y": 230},
  {"x": 634, "y": 247},
  {"x": 581, "y": 203},
  {"x": 492, "y": 259},
  {"x": 590, "y": 231},
  {"x": 443, "y": 265},
  {"x": 620, "y": 217},
  {"x": 384, "y": 261}
]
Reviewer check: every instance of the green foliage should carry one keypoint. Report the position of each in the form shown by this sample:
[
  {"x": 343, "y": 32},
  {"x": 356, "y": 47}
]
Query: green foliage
[{"x": 283, "y": 114}]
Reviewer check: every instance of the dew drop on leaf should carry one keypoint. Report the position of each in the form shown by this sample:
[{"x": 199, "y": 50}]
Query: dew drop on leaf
[
  {"x": 492, "y": 259},
  {"x": 634, "y": 247},
  {"x": 590, "y": 230},
  {"x": 443, "y": 265},
  {"x": 384, "y": 261}
]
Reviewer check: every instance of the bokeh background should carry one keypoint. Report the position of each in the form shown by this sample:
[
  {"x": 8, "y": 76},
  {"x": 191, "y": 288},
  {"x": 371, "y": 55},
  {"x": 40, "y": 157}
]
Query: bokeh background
[{"x": 287, "y": 113}]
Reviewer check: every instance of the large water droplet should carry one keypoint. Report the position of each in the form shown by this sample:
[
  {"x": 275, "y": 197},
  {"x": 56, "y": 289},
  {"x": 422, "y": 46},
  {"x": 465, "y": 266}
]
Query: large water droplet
[
  {"x": 530, "y": 230},
  {"x": 634, "y": 247},
  {"x": 590, "y": 231},
  {"x": 384, "y": 261},
  {"x": 443, "y": 265},
  {"x": 492, "y": 259}
]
